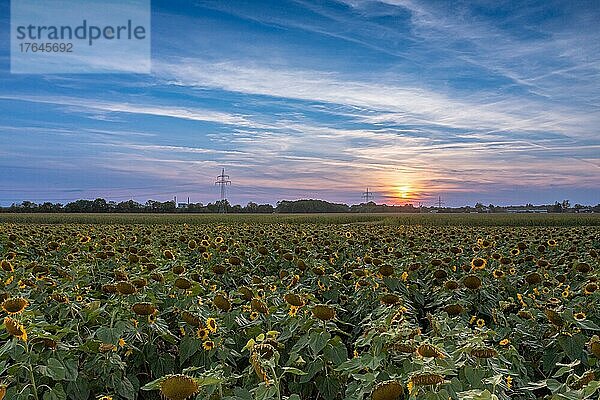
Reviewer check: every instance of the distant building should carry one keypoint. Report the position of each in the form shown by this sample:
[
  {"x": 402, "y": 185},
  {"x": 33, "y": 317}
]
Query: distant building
[{"x": 182, "y": 205}]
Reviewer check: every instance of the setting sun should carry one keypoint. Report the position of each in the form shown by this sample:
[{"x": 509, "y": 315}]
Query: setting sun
[{"x": 404, "y": 192}]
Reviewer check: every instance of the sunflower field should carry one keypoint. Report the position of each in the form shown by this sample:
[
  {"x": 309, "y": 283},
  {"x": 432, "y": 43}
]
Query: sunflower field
[{"x": 298, "y": 311}]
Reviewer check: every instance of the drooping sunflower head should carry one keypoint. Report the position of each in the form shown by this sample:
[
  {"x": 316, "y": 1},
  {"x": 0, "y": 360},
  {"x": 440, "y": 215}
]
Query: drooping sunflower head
[
  {"x": 222, "y": 303},
  {"x": 14, "y": 328},
  {"x": 125, "y": 287},
  {"x": 14, "y": 305},
  {"x": 533, "y": 278},
  {"x": 390, "y": 299},
  {"x": 423, "y": 379},
  {"x": 258, "y": 306},
  {"x": 6, "y": 265},
  {"x": 472, "y": 282},
  {"x": 323, "y": 312},
  {"x": 484, "y": 352},
  {"x": 429, "y": 350},
  {"x": 454, "y": 309},
  {"x": 144, "y": 308},
  {"x": 178, "y": 387},
  {"x": 388, "y": 390},
  {"x": 294, "y": 299},
  {"x": 182, "y": 283},
  {"x": 168, "y": 254}
]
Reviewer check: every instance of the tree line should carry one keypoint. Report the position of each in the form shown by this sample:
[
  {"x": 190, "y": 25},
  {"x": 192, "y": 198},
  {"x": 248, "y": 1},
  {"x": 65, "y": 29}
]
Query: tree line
[{"x": 284, "y": 206}]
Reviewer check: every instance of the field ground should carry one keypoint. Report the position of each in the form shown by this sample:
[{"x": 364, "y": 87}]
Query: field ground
[
  {"x": 385, "y": 219},
  {"x": 299, "y": 307}
]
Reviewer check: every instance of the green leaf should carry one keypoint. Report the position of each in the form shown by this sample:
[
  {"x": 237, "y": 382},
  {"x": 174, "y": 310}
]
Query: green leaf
[
  {"x": 125, "y": 388},
  {"x": 55, "y": 370},
  {"x": 79, "y": 389},
  {"x": 292, "y": 370},
  {"x": 336, "y": 351},
  {"x": 56, "y": 393},
  {"x": 71, "y": 371},
  {"x": 188, "y": 347},
  {"x": 573, "y": 346},
  {"x": 318, "y": 340}
]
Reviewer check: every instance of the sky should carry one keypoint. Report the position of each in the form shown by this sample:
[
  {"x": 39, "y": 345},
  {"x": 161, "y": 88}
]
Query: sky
[{"x": 481, "y": 101}]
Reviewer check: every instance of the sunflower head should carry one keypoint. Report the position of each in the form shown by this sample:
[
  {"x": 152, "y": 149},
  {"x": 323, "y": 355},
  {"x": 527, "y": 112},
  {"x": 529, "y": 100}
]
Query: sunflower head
[
  {"x": 125, "y": 287},
  {"x": 14, "y": 328},
  {"x": 144, "y": 308},
  {"x": 590, "y": 288},
  {"x": 178, "y": 387},
  {"x": 429, "y": 350},
  {"x": 211, "y": 324},
  {"x": 323, "y": 312},
  {"x": 580, "y": 316},
  {"x": 6, "y": 266},
  {"x": 293, "y": 299},
  {"x": 478, "y": 263},
  {"x": 388, "y": 390},
  {"x": 472, "y": 282},
  {"x": 594, "y": 346},
  {"x": 484, "y": 352},
  {"x": 208, "y": 345},
  {"x": 258, "y": 306},
  {"x": 14, "y": 305},
  {"x": 423, "y": 379},
  {"x": 554, "y": 317},
  {"x": 454, "y": 309},
  {"x": 533, "y": 278},
  {"x": 222, "y": 303},
  {"x": 390, "y": 299},
  {"x": 182, "y": 283}
]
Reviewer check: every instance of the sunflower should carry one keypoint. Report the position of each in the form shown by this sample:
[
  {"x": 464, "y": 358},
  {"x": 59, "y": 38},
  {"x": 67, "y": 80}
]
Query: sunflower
[
  {"x": 15, "y": 329},
  {"x": 498, "y": 273},
  {"x": 14, "y": 305},
  {"x": 293, "y": 311},
  {"x": 202, "y": 334},
  {"x": 478, "y": 263},
  {"x": 424, "y": 379},
  {"x": 323, "y": 312},
  {"x": 144, "y": 308},
  {"x": 472, "y": 282},
  {"x": 208, "y": 345},
  {"x": 6, "y": 266},
  {"x": 590, "y": 288},
  {"x": 168, "y": 254},
  {"x": 222, "y": 303},
  {"x": 428, "y": 350},
  {"x": 178, "y": 387},
  {"x": 211, "y": 324},
  {"x": 504, "y": 342},
  {"x": 151, "y": 318},
  {"x": 388, "y": 390},
  {"x": 484, "y": 352},
  {"x": 481, "y": 322},
  {"x": 253, "y": 315},
  {"x": 580, "y": 316}
]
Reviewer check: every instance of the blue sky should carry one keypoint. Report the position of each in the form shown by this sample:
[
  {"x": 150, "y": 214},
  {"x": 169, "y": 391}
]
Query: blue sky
[{"x": 491, "y": 101}]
